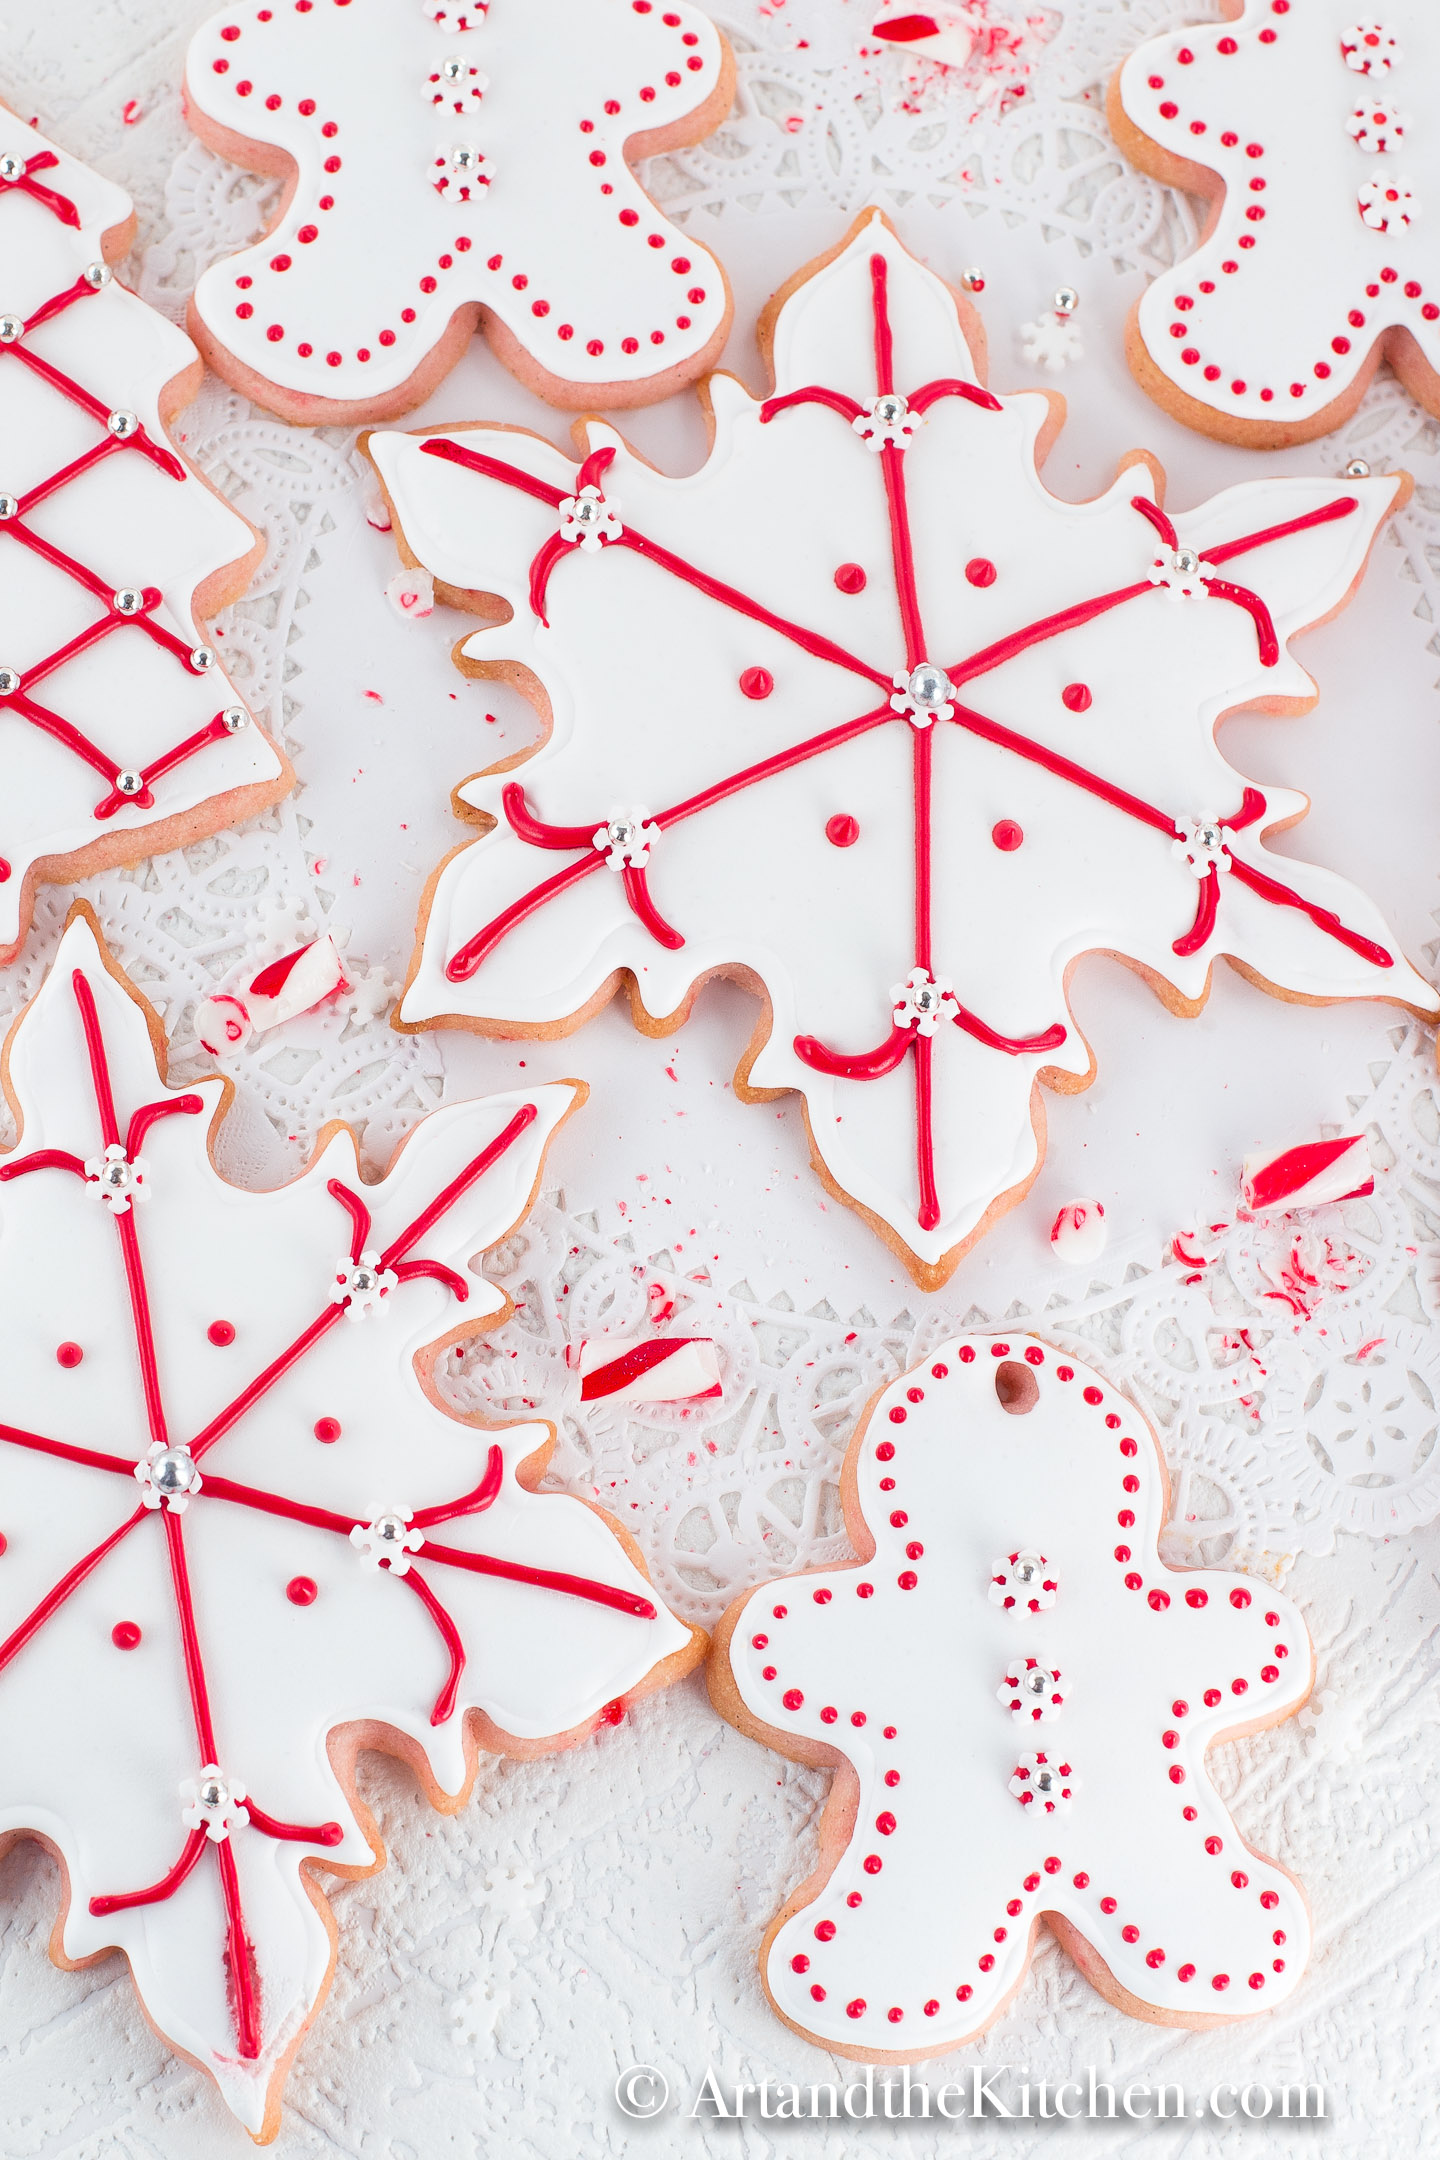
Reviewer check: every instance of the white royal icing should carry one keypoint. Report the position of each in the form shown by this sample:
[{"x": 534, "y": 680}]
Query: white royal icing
[
  {"x": 136, "y": 527},
  {"x": 404, "y": 212},
  {"x": 903, "y": 1666},
  {"x": 1325, "y": 240},
  {"x": 97, "y": 1737},
  {"x": 755, "y": 882}
]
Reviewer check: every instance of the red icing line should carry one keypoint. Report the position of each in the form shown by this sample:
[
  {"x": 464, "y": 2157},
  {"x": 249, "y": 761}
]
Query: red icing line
[
  {"x": 1065, "y": 769},
  {"x": 1283, "y": 896},
  {"x": 359, "y": 1215},
  {"x": 1157, "y": 517},
  {"x": 325, "y": 1833},
  {"x": 857, "y": 1065},
  {"x": 436, "y": 1270},
  {"x": 527, "y": 827},
  {"x": 44, "y": 161},
  {"x": 1343, "y": 506},
  {"x": 639, "y": 1359},
  {"x": 189, "y": 1635},
  {"x": 1013, "y": 1045},
  {"x": 449, "y": 1635},
  {"x": 150, "y": 1113},
  {"x": 578, "y": 1586},
  {"x": 240, "y": 1956},
  {"x": 460, "y": 1184},
  {"x": 1205, "y": 913},
  {"x": 953, "y": 386},
  {"x": 43, "y": 1159},
  {"x": 158, "y": 1892},
  {"x": 637, "y": 892},
  {"x": 1254, "y": 606},
  {"x": 70, "y": 1582},
  {"x": 813, "y": 394},
  {"x": 475, "y": 1503},
  {"x": 927, "y": 1213}
]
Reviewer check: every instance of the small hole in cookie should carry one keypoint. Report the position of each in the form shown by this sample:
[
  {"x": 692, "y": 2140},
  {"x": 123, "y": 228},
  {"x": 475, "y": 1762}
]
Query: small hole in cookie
[{"x": 1016, "y": 1387}]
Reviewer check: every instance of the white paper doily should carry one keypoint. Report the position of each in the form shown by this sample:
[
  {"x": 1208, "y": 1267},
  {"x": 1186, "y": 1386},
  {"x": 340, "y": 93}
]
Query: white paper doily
[{"x": 604, "y": 1908}]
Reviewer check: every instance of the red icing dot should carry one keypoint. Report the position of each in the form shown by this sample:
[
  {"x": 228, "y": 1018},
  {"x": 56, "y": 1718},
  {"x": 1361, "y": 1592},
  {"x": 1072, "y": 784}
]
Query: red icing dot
[
  {"x": 792, "y": 1698},
  {"x": 327, "y": 1429},
  {"x": 1007, "y": 835},
  {"x": 850, "y": 578},
  {"x": 1197, "y": 1598},
  {"x": 125, "y": 1635},
  {"x": 932, "y": 2008},
  {"x": 69, "y": 1355},
  {"x": 824, "y": 1931},
  {"x": 1186, "y": 1972},
  {"x": 800, "y": 1964},
  {"x": 221, "y": 1333},
  {"x": 857, "y": 2008},
  {"x": 1239, "y": 1599},
  {"x": 1076, "y": 697},
  {"x": 981, "y": 571},
  {"x": 842, "y": 831},
  {"x": 757, "y": 682},
  {"x": 301, "y": 1590}
]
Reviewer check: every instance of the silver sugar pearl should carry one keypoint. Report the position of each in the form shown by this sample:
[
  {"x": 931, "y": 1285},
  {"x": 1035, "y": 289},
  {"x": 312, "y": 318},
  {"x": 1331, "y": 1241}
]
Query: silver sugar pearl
[
  {"x": 11, "y": 329},
  {"x": 1026, "y": 1571},
  {"x": 973, "y": 280},
  {"x": 465, "y": 158},
  {"x": 452, "y": 70},
  {"x": 128, "y": 601},
  {"x": 1357, "y": 469},
  {"x": 362, "y": 1281},
  {"x": 123, "y": 424},
  {"x": 588, "y": 511},
  {"x": 202, "y": 659},
  {"x": 96, "y": 276},
  {"x": 11, "y": 167},
  {"x": 9, "y": 681},
  {"x": 173, "y": 1472},
  {"x": 390, "y": 1529},
  {"x": 890, "y": 409},
  {"x": 116, "y": 1175},
  {"x": 928, "y": 685},
  {"x": 1066, "y": 300},
  {"x": 213, "y": 1793},
  {"x": 1035, "y": 1682},
  {"x": 1208, "y": 837},
  {"x": 620, "y": 832},
  {"x": 9, "y": 507},
  {"x": 234, "y": 718},
  {"x": 1045, "y": 1779},
  {"x": 129, "y": 783},
  {"x": 1185, "y": 562}
]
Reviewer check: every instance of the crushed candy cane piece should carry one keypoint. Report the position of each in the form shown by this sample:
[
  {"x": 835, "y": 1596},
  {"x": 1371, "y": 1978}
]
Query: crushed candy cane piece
[
  {"x": 1078, "y": 1232},
  {"x": 668, "y": 1368},
  {"x": 941, "y": 34},
  {"x": 1317, "y": 1172},
  {"x": 412, "y": 594},
  {"x": 296, "y": 983}
]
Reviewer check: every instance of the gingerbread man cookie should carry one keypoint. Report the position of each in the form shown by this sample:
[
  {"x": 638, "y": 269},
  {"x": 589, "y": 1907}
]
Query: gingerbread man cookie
[
  {"x": 452, "y": 166},
  {"x": 1017, "y": 1697},
  {"x": 1306, "y": 125}
]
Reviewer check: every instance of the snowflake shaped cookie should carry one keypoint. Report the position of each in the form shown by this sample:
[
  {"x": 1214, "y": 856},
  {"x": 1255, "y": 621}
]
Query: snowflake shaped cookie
[
  {"x": 1309, "y": 127},
  {"x": 1103, "y": 1819},
  {"x": 177, "y": 1662},
  {"x": 121, "y": 733},
  {"x": 454, "y": 167},
  {"x": 732, "y": 661}
]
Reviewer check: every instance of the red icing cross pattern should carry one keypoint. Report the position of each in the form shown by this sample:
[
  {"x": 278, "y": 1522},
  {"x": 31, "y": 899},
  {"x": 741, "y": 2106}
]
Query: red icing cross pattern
[
  {"x": 204, "y": 1633},
  {"x": 66, "y": 331},
  {"x": 949, "y": 875},
  {"x": 985, "y": 1793},
  {"x": 451, "y": 159},
  {"x": 1312, "y": 120}
]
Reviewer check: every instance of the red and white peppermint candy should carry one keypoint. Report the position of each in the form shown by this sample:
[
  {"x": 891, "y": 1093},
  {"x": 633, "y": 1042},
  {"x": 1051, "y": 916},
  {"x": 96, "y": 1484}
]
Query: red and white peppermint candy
[
  {"x": 1311, "y": 1175},
  {"x": 673, "y": 1368},
  {"x": 941, "y": 34},
  {"x": 1078, "y": 1232},
  {"x": 297, "y": 982}
]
